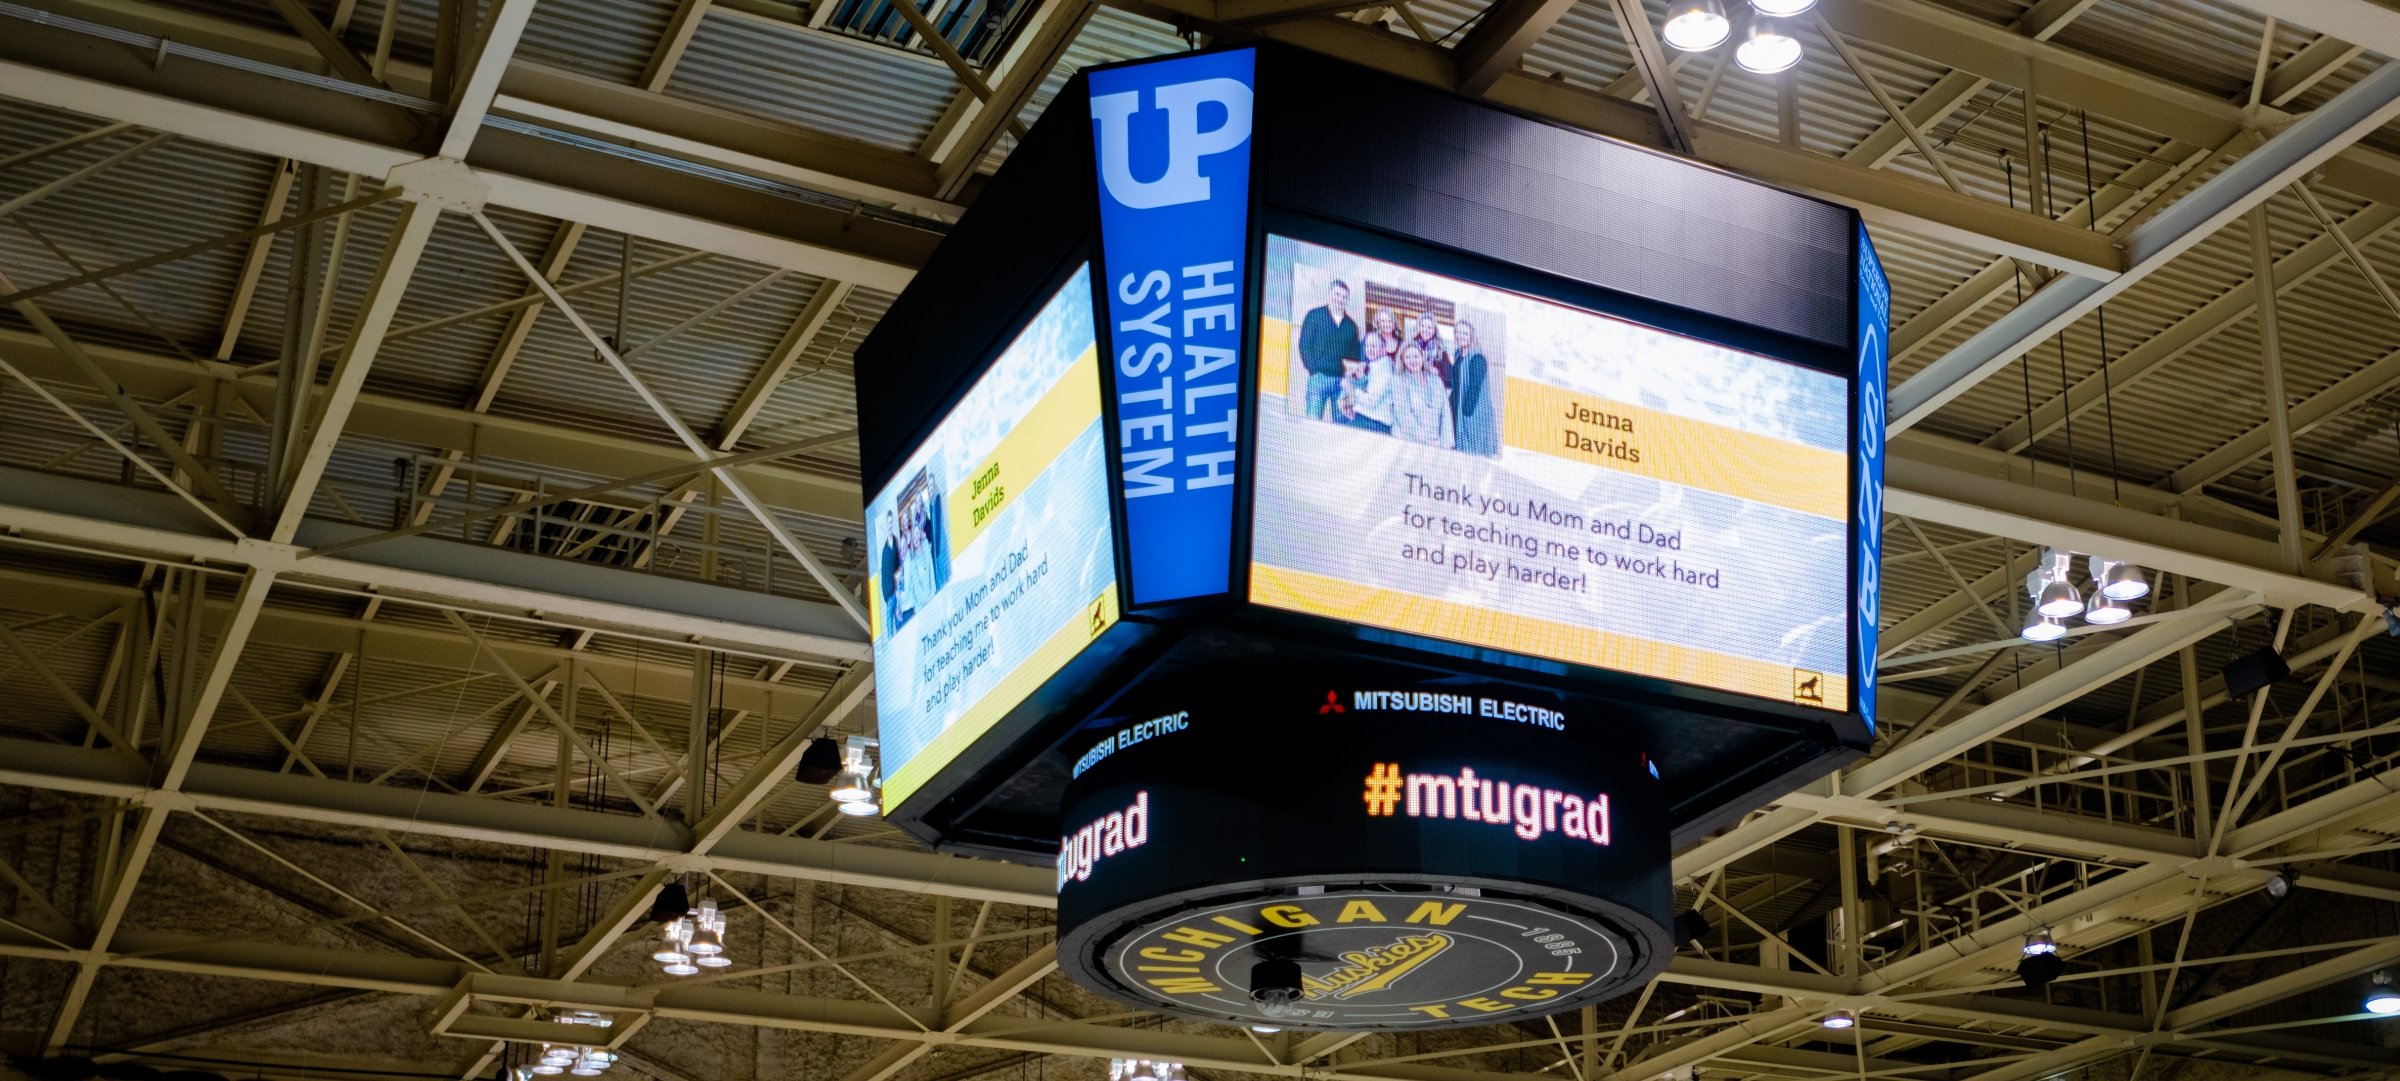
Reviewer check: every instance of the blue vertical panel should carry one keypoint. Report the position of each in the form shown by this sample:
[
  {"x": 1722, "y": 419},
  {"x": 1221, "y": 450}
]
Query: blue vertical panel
[
  {"x": 1172, "y": 142},
  {"x": 1867, "y": 424}
]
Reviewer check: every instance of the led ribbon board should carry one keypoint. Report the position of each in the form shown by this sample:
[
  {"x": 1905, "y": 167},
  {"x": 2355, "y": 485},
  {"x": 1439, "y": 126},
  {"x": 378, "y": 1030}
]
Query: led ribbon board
[
  {"x": 1171, "y": 140},
  {"x": 1475, "y": 853},
  {"x": 989, "y": 550}
]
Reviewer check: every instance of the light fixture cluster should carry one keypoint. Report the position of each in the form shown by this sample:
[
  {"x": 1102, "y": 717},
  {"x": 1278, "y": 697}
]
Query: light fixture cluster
[
  {"x": 847, "y": 770},
  {"x": 1769, "y": 43},
  {"x": 579, "y": 1060},
  {"x": 570, "y": 1059},
  {"x": 693, "y": 941},
  {"x": 1144, "y": 1069},
  {"x": 2114, "y": 585}
]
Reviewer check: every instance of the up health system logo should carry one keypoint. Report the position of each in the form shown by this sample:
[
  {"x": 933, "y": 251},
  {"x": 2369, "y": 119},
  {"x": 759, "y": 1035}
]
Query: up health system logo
[{"x": 1172, "y": 147}]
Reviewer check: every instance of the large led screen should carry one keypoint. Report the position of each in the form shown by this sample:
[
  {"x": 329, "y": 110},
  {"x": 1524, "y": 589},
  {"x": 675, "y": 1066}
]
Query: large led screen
[
  {"x": 1456, "y": 462},
  {"x": 992, "y": 561}
]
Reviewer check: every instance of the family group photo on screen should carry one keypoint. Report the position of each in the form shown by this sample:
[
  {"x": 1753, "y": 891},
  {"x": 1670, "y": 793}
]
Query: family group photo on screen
[
  {"x": 915, "y": 560},
  {"x": 1385, "y": 359}
]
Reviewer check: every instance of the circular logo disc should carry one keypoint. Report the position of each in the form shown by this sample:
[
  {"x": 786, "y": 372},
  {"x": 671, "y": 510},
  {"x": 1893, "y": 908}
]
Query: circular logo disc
[{"x": 1372, "y": 959}]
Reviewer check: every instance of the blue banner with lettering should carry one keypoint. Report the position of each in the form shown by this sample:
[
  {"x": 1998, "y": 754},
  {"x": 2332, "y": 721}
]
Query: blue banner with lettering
[
  {"x": 1866, "y": 464},
  {"x": 1172, "y": 142}
]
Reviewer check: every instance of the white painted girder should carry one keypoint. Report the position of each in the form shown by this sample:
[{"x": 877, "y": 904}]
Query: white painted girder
[
  {"x": 258, "y": 135},
  {"x": 215, "y": 787}
]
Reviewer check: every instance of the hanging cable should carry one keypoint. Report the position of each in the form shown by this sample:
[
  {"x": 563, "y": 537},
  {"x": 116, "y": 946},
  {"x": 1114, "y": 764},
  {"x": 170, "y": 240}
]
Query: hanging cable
[
  {"x": 2008, "y": 167},
  {"x": 2066, "y": 396},
  {"x": 2108, "y": 394}
]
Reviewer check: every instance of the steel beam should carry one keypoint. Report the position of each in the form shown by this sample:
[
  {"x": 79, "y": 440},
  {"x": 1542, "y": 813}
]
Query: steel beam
[
  {"x": 2224, "y": 312},
  {"x": 2292, "y": 153},
  {"x": 213, "y": 787},
  {"x": 1928, "y": 492},
  {"x": 1499, "y": 42},
  {"x": 104, "y": 518},
  {"x": 2370, "y": 24},
  {"x": 185, "y": 109},
  {"x": 501, "y": 30}
]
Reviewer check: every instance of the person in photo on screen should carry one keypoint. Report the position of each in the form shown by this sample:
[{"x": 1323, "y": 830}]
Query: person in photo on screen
[
  {"x": 1427, "y": 337},
  {"x": 1420, "y": 404},
  {"x": 1368, "y": 404},
  {"x": 1382, "y": 341},
  {"x": 1478, "y": 416},
  {"x": 1329, "y": 348},
  {"x": 888, "y": 570}
]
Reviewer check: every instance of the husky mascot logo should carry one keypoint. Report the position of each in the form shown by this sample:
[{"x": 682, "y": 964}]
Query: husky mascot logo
[{"x": 1187, "y": 142}]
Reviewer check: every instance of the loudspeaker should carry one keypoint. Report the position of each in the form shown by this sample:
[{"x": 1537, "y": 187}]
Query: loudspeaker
[{"x": 2254, "y": 671}]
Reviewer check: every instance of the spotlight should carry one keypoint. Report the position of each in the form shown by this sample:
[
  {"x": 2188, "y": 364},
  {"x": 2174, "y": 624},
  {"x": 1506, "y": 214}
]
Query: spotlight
[
  {"x": 1693, "y": 25},
  {"x": 1266, "y": 1030},
  {"x": 1840, "y": 1019},
  {"x": 2039, "y": 969},
  {"x": 681, "y": 968},
  {"x": 1767, "y": 48},
  {"x": 673, "y": 942},
  {"x": 709, "y": 938},
  {"x": 2279, "y": 884},
  {"x": 851, "y": 787},
  {"x": 2119, "y": 581},
  {"x": 2383, "y": 1001},
  {"x": 1275, "y": 987},
  {"x": 2044, "y": 629},
  {"x": 819, "y": 761},
  {"x": 1782, "y": 9},
  {"x": 2052, "y": 586},
  {"x": 2040, "y": 944},
  {"x": 2105, "y": 610},
  {"x": 857, "y": 807}
]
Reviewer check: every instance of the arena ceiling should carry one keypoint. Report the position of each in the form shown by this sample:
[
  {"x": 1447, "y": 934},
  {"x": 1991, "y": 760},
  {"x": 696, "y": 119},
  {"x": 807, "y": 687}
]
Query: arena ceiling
[{"x": 429, "y": 523}]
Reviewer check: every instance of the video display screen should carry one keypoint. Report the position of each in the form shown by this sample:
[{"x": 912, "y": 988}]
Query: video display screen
[
  {"x": 1447, "y": 460},
  {"x": 990, "y": 559}
]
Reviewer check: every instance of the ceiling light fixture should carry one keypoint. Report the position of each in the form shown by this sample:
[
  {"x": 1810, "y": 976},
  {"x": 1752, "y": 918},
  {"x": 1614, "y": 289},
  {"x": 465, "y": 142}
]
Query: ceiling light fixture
[
  {"x": 853, "y": 789},
  {"x": 1840, "y": 1019},
  {"x": 2105, "y": 611},
  {"x": 2279, "y": 884},
  {"x": 1767, "y": 48},
  {"x": 2118, "y": 580},
  {"x": 2057, "y": 597},
  {"x": 1695, "y": 25},
  {"x": 1769, "y": 45},
  {"x": 691, "y": 942},
  {"x": 2041, "y": 964},
  {"x": 2383, "y": 1001},
  {"x": 2044, "y": 629}
]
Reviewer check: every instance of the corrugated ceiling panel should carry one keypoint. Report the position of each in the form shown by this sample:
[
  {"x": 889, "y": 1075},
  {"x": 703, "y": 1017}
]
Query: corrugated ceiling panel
[{"x": 877, "y": 95}]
